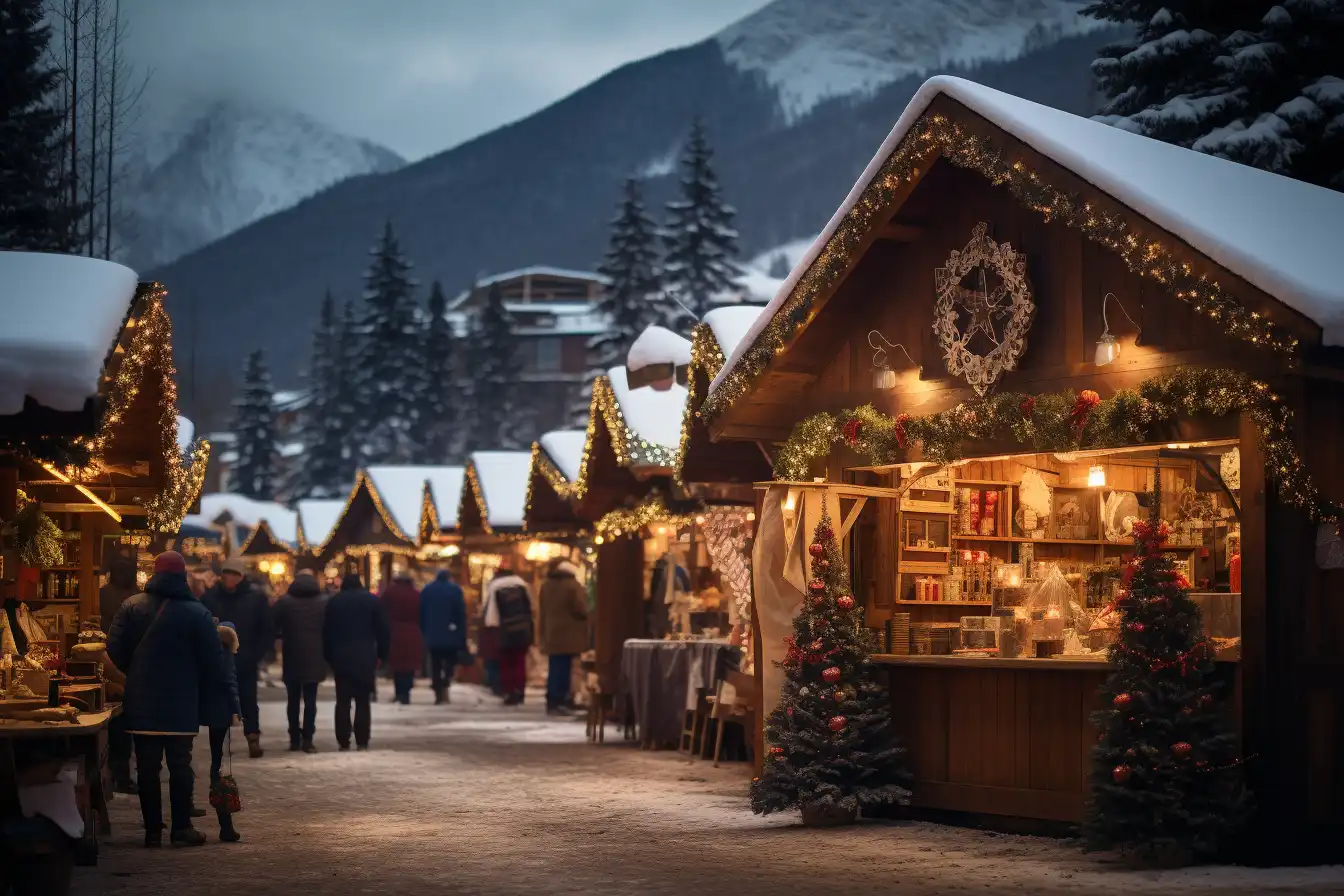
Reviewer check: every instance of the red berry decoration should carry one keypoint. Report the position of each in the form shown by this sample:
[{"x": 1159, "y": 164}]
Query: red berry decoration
[
  {"x": 825, "y": 533},
  {"x": 816, "y": 585},
  {"x": 830, "y": 674},
  {"x": 1120, "y": 774},
  {"x": 837, "y": 723},
  {"x": 816, "y": 549},
  {"x": 845, "y": 602},
  {"x": 1136, "y": 627},
  {"x": 1181, "y": 750},
  {"x": 776, "y": 751},
  {"x": 1121, "y": 701}
]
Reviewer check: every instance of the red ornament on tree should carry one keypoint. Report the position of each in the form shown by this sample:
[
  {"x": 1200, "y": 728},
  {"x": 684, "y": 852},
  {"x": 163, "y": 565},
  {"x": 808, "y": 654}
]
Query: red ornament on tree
[
  {"x": 837, "y": 723},
  {"x": 1082, "y": 407},
  {"x": 1120, "y": 774},
  {"x": 816, "y": 585},
  {"x": 1028, "y": 406},
  {"x": 845, "y": 602},
  {"x": 1136, "y": 627},
  {"x": 1181, "y": 750},
  {"x": 830, "y": 674},
  {"x": 825, "y": 533},
  {"x": 899, "y": 428},
  {"x": 1121, "y": 701},
  {"x": 776, "y": 751},
  {"x": 816, "y": 549},
  {"x": 852, "y": 429}
]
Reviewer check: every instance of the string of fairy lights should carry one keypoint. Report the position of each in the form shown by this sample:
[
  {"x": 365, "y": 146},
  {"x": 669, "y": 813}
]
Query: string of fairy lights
[
  {"x": 1069, "y": 421},
  {"x": 1146, "y": 255},
  {"x": 706, "y": 356},
  {"x": 631, "y": 521}
]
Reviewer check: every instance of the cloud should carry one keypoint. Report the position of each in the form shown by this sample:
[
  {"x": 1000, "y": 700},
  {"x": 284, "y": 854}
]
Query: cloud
[{"x": 417, "y": 75}]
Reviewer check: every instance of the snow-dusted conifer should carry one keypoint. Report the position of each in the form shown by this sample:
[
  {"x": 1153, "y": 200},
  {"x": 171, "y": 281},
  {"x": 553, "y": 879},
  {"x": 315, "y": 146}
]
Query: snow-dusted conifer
[
  {"x": 492, "y": 372},
  {"x": 701, "y": 243},
  {"x": 321, "y": 471},
  {"x": 440, "y": 396},
  {"x": 254, "y": 432}
]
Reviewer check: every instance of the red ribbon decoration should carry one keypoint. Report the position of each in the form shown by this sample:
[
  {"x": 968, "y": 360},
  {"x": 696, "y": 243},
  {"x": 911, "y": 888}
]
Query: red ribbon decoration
[
  {"x": 899, "y": 428},
  {"x": 1082, "y": 407},
  {"x": 1028, "y": 407}
]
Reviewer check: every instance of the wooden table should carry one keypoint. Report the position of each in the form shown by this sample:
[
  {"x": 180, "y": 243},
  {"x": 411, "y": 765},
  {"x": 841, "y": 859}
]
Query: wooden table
[
  {"x": 85, "y": 738},
  {"x": 655, "y": 675}
]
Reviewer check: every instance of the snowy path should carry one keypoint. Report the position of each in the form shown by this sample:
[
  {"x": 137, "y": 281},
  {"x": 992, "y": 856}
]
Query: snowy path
[{"x": 476, "y": 799}]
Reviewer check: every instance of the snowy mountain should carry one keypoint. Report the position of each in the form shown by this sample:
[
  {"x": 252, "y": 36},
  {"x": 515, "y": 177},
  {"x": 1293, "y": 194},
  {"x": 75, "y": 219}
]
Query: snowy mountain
[
  {"x": 214, "y": 168},
  {"x": 811, "y": 51},
  {"x": 788, "y": 144}
]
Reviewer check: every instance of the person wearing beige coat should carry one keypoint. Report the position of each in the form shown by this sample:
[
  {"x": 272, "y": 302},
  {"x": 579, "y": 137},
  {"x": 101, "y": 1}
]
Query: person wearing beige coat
[{"x": 563, "y": 625}]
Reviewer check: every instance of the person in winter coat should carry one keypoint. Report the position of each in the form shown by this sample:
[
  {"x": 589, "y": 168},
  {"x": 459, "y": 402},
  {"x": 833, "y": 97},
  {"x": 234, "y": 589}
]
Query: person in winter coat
[
  {"x": 167, "y": 643},
  {"x": 443, "y": 623},
  {"x": 508, "y": 607},
  {"x": 355, "y": 642},
  {"x": 563, "y": 620},
  {"x": 406, "y": 650},
  {"x": 299, "y": 617},
  {"x": 119, "y": 588},
  {"x": 233, "y": 599},
  {"x": 219, "y": 712}
]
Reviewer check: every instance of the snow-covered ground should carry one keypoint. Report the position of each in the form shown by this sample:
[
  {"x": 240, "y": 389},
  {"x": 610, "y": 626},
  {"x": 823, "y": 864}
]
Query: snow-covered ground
[{"x": 475, "y": 798}]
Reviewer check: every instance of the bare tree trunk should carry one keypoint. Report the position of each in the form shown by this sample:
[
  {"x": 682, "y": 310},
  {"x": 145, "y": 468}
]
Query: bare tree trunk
[
  {"x": 111, "y": 130},
  {"x": 96, "y": 63},
  {"x": 72, "y": 24}
]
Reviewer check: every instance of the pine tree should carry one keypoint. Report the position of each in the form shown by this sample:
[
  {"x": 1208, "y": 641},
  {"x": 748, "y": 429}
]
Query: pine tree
[
  {"x": 633, "y": 299},
  {"x": 321, "y": 472},
  {"x": 343, "y": 419},
  {"x": 35, "y": 212},
  {"x": 254, "y": 432},
  {"x": 492, "y": 369},
  {"x": 701, "y": 244},
  {"x": 831, "y": 751},
  {"x": 440, "y": 398},
  {"x": 387, "y": 379},
  {"x": 1166, "y": 780},
  {"x": 1257, "y": 83}
]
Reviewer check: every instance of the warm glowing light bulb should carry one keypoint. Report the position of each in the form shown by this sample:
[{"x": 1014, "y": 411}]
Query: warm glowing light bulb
[
  {"x": 264, "y": 566},
  {"x": 598, "y": 540},
  {"x": 1096, "y": 476}
]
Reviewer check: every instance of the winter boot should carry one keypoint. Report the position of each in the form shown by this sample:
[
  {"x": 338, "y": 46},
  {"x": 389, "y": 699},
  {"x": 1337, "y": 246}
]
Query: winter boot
[
  {"x": 295, "y": 745},
  {"x": 186, "y": 837},
  {"x": 440, "y": 697},
  {"x": 254, "y": 750},
  {"x": 227, "y": 834},
  {"x": 309, "y": 746}
]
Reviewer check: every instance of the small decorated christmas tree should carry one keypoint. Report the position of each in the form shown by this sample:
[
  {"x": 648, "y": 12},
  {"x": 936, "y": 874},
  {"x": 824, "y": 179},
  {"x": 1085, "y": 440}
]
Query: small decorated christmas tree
[
  {"x": 830, "y": 749},
  {"x": 1166, "y": 784}
]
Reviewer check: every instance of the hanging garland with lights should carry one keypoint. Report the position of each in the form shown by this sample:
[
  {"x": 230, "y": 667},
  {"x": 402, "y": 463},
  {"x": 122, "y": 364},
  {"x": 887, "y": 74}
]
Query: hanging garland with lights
[
  {"x": 630, "y": 448},
  {"x": 1143, "y": 254},
  {"x": 707, "y": 356},
  {"x": 1069, "y": 421},
  {"x": 651, "y": 511}
]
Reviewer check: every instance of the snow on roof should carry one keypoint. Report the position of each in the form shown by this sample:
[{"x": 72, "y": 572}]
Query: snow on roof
[
  {"x": 401, "y": 490},
  {"x": 186, "y": 434},
  {"x": 197, "y": 521},
  {"x": 62, "y": 314},
  {"x": 289, "y": 449},
  {"x": 291, "y": 400},
  {"x": 565, "y": 449},
  {"x": 537, "y": 270},
  {"x": 731, "y": 323},
  {"x": 1278, "y": 234},
  {"x": 654, "y": 415},
  {"x": 317, "y": 517},
  {"x": 445, "y": 490},
  {"x": 245, "y": 511},
  {"x": 503, "y": 476},
  {"x": 658, "y": 345}
]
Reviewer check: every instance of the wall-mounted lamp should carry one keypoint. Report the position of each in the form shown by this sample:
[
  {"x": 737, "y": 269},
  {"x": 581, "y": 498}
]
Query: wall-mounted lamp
[
  {"x": 883, "y": 376},
  {"x": 1096, "y": 476},
  {"x": 1108, "y": 347}
]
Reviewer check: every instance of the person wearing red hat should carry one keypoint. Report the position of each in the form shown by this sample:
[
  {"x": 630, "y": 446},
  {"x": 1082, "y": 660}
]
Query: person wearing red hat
[{"x": 166, "y": 642}]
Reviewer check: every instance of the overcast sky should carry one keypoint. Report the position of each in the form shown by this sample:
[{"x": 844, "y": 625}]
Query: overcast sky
[{"x": 418, "y": 76}]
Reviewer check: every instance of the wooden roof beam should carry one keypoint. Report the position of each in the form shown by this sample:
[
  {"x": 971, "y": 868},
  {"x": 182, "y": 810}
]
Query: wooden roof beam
[{"x": 900, "y": 233}]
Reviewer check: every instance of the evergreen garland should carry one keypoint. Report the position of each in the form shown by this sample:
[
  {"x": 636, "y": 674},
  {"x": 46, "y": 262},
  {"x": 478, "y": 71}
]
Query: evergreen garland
[
  {"x": 829, "y": 746},
  {"x": 701, "y": 243},
  {"x": 254, "y": 432},
  {"x": 36, "y": 210}
]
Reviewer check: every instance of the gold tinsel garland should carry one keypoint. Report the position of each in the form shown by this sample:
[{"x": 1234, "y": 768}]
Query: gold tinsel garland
[
  {"x": 1144, "y": 255},
  {"x": 630, "y": 449},
  {"x": 706, "y": 356},
  {"x": 1065, "y": 421},
  {"x": 543, "y": 465},
  {"x": 477, "y": 495}
]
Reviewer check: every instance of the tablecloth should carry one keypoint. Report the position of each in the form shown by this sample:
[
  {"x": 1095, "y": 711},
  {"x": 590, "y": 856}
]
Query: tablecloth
[{"x": 655, "y": 676}]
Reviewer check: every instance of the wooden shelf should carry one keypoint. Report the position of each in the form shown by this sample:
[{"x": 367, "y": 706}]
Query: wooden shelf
[
  {"x": 1017, "y": 539},
  {"x": 984, "y": 483},
  {"x": 945, "y": 603}
]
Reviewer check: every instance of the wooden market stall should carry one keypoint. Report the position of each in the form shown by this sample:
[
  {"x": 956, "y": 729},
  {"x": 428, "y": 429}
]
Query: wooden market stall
[
  {"x": 368, "y": 537},
  {"x": 272, "y": 547},
  {"x": 1014, "y": 324},
  {"x": 316, "y": 519}
]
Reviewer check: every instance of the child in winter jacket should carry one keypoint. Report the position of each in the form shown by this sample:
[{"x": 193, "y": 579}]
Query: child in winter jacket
[{"x": 220, "y": 712}]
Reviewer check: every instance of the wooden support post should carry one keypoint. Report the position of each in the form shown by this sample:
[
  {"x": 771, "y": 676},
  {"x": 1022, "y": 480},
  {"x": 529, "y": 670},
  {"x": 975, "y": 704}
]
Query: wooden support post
[
  {"x": 9, "y": 504},
  {"x": 620, "y": 604},
  {"x": 90, "y": 527},
  {"x": 758, "y": 698}
]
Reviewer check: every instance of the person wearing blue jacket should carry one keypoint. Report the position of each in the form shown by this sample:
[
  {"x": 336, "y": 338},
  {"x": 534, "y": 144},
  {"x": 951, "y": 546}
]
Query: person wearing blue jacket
[
  {"x": 443, "y": 623},
  {"x": 165, "y": 641}
]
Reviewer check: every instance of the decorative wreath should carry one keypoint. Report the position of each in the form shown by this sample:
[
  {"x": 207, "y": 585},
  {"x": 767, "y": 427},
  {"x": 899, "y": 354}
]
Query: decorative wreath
[{"x": 985, "y": 308}]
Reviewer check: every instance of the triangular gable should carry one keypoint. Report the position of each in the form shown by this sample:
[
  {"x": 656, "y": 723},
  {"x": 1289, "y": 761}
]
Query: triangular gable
[
  {"x": 439, "y": 502},
  {"x": 494, "y": 495},
  {"x": 263, "y": 540},
  {"x": 317, "y": 519},
  {"x": 1202, "y": 227},
  {"x": 550, "y": 492},
  {"x": 364, "y": 521}
]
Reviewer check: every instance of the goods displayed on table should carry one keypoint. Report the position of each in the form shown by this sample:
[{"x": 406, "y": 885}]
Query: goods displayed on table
[
  {"x": 56, "y": 676},
  {"x": 1029, "y": 554}
]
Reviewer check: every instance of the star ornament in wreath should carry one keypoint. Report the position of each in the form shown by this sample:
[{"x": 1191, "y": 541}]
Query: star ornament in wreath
[{"x": 1001, "y": 316}]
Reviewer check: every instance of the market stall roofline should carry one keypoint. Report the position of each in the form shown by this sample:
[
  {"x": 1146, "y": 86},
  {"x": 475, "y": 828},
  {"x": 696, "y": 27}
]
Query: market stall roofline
[
  {"x": 317, "y": 517},
  {"x": 1217, "y": 206},
  {"x": 262, "y": 534}
]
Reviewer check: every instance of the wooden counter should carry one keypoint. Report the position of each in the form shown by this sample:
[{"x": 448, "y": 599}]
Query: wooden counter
[{"x": 1006, "y": 737}]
